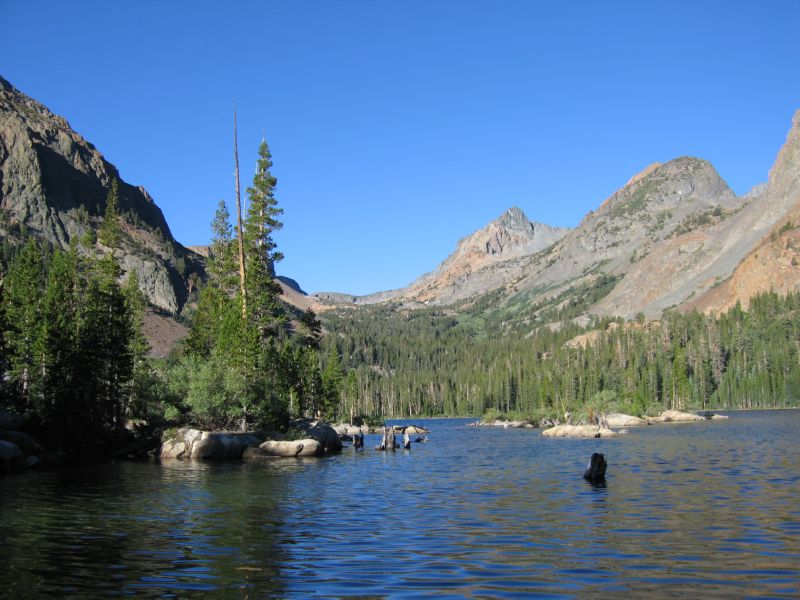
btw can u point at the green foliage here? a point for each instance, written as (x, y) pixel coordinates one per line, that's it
(637, 200)
(264, 308)
(240, 370)
(74, 343)
(110, 230)
(785, 228)
(439, 362)
(222, 260)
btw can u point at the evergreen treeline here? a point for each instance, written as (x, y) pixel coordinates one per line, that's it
(74, 353)
(72, 344)
(441, 362)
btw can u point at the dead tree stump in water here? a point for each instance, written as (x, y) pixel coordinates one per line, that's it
(388, 442)
(596, 469)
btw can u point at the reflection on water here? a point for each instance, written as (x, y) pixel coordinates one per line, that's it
(701, 509)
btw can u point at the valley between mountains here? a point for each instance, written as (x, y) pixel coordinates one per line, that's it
(667, 295)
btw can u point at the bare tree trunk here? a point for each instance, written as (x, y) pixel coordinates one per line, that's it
(388, 441)
(239, 219)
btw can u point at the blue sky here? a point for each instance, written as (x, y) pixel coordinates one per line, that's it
(399, 127)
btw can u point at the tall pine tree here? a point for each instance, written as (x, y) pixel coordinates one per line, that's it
(264, 307)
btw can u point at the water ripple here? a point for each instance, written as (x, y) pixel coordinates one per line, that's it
(707, 509)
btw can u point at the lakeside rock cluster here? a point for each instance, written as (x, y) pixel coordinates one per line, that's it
(314, 438)
(614, 424)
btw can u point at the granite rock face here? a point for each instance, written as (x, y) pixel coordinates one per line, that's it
(54, 184)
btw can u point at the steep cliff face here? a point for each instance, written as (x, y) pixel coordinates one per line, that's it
(54, 184)
(773, 264)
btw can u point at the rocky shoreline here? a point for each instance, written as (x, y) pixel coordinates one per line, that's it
(613, 424)
(20, 451)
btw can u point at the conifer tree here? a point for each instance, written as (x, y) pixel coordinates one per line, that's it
(312, 329)
(57, 349)
(260, 249)
(222, 262)
(110, 230)
(23, 295)
(332, 383)
(104, 334)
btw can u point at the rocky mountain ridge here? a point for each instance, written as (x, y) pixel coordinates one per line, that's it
(467, 270)
(673, 234)
(54, 185)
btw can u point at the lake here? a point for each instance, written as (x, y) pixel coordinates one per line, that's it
(708, 509)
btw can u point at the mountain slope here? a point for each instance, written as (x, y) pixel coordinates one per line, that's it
(54, 184)
(469, 269)
(773, 264)
(640, 219)
(668, 237)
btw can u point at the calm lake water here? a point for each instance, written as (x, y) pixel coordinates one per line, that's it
(696, 510)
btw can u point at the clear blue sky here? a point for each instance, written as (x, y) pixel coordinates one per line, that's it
(398, 127)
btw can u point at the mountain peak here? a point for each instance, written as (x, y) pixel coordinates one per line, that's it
(513, 217)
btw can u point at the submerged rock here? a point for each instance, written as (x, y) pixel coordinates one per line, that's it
(579, 431)
(676, 416)
(713, 416)
(410, 429)
(11, 457)
(211, 445)
(622, 420)
(506, 424)
(294, 448)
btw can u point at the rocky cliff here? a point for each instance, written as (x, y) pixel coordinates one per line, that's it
(773, 264)
(54, 184)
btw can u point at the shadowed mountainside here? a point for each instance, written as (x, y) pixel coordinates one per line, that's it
(54, 185)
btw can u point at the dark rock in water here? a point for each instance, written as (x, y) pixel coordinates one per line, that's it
(23, 441)
(596, 469)
(11, 457)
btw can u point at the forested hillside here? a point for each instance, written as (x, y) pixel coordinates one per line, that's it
(440, 362)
